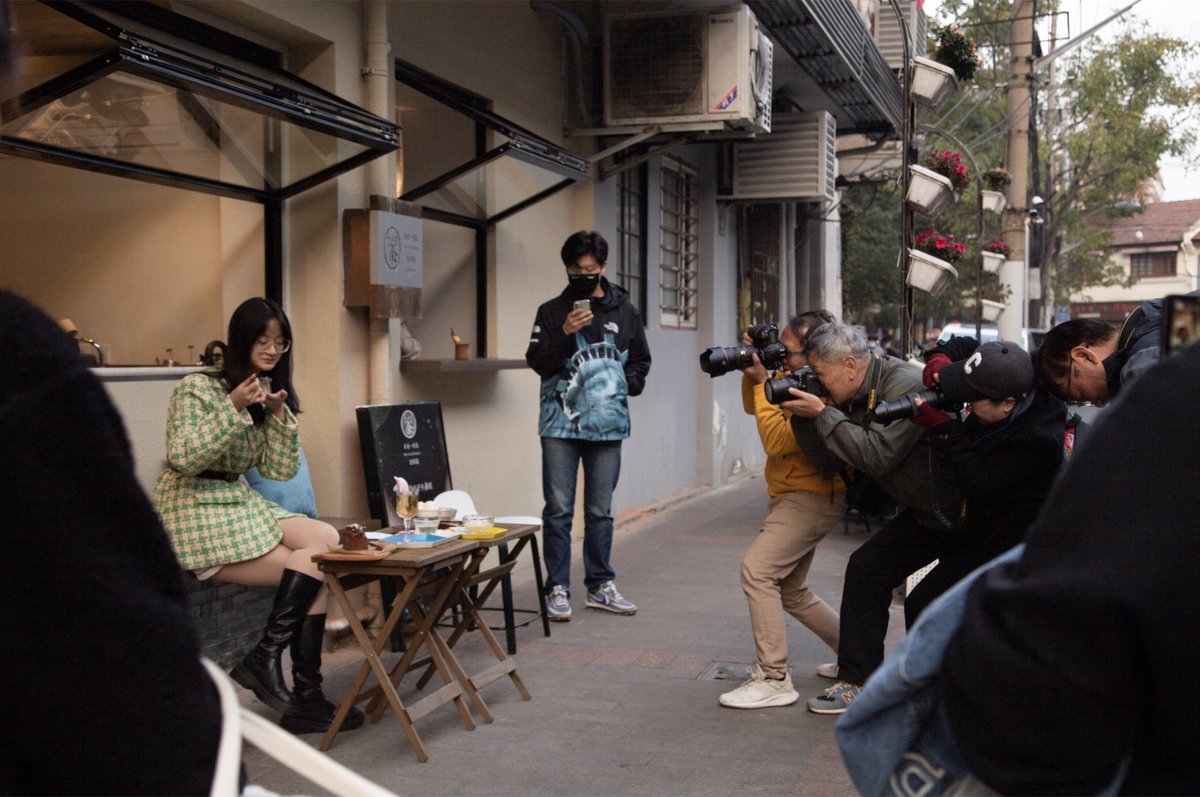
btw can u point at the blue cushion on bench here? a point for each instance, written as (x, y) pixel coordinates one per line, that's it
(294, 495)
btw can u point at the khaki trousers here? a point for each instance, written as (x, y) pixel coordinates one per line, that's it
(774, 571)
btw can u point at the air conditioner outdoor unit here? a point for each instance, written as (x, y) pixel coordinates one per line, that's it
(796, 163)
(890, 38)
(700, 67)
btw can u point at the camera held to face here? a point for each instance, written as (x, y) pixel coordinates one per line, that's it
(906, 406)
(804, 380)
(765, 343)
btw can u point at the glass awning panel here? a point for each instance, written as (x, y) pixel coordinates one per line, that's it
(519, 171)
(110, 93)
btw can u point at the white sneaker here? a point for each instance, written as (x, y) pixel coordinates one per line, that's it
(761, 692)
(828, 670)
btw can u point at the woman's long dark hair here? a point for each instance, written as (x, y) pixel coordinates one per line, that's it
(247, 324)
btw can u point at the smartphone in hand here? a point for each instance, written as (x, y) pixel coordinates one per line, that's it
(1181, 322)
(583, 304)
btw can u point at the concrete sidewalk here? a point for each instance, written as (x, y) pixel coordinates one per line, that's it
(624, 705)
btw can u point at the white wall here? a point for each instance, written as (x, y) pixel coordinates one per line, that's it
(136, 266)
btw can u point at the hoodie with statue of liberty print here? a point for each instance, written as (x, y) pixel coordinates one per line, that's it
(587, 377)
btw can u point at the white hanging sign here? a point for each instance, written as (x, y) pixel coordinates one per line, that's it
(395, 249)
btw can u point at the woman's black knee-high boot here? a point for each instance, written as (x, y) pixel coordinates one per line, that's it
(313, 712)
(260, 671)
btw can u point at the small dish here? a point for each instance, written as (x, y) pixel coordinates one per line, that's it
(425, 525)
(447, 513)
(478, 521)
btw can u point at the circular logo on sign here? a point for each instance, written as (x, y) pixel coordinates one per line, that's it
(408, 424)
(391, 248)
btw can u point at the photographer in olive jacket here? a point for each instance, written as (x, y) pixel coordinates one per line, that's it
(901, 459)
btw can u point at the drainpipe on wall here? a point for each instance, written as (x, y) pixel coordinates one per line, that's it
(381, 180)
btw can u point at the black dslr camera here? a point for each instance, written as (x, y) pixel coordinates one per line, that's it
(765, 343)
(906, 406)
(805, 379)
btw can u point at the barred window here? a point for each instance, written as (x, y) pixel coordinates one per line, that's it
(680, 251)
(1152, 264)
(631, 234)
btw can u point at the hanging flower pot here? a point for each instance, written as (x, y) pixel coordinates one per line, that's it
(932, 83)
(994, 201)
(992, 262)
(928, 273)
(928, 191)
(991, 309)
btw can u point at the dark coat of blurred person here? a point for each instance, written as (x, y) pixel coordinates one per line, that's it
(102, 688)
(1085, 652)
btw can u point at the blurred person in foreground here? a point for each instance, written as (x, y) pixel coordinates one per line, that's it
(104, 692)
(1080, 659)
(804, 506)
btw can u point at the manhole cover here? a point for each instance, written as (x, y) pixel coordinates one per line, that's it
(724, 671)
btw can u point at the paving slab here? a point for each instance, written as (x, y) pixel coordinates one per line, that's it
(623, 705)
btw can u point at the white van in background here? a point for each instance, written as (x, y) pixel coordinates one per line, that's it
(1031, 337)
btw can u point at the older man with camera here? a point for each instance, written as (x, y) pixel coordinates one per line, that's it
(897, 456)
(804, 505)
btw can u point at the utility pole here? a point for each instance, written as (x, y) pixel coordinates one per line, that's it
(1019, 76)
(1050, 264)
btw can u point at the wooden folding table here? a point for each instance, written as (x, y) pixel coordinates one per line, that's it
(413, 567)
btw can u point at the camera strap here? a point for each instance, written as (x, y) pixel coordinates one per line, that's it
(1128, 327)
(874, 377)
(863, 493)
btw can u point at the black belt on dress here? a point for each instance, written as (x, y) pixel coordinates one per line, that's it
(220, 475)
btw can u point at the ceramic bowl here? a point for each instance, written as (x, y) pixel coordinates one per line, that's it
(447, 513)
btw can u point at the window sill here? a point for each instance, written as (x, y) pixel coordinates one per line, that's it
(475, 365)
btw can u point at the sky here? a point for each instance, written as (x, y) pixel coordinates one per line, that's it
(1180, 18)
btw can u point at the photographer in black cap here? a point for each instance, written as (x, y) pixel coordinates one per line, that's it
(1003, 456)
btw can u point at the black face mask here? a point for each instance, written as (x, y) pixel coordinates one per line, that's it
(582, 285)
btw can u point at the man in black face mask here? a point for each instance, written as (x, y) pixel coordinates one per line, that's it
(589, 347)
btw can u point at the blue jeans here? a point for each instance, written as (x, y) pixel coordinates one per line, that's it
(601, 467)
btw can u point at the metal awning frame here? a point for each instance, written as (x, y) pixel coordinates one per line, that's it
(522, 145)
(290, 100)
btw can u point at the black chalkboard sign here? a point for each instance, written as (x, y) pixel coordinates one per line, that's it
(406, 440)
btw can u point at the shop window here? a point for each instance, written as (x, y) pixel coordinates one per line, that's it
(759, 257)
(679, 253)
(631, 234)
(1152, 264)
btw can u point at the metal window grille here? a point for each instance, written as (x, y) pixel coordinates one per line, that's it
(631, 233)
(680, 249)
(758, 272)
(1152, 264)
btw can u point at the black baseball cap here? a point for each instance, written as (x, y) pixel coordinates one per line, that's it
(997, 370)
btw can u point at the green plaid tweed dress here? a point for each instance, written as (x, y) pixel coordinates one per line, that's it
(214, 522)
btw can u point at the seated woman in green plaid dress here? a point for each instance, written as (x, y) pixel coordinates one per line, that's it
(219, 425)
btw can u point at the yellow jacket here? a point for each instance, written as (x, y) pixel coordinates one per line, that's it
(787, 469)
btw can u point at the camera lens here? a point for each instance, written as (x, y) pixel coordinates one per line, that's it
(776, 390)
(720, 360)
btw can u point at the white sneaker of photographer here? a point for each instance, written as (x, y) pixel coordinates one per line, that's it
(761, 692)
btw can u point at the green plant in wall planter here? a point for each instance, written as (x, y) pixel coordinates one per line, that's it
(955, 49)
(929, 261)
(995, 180)
(994, 254)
